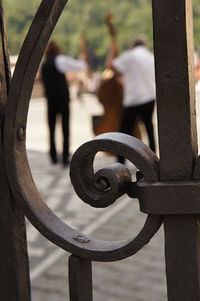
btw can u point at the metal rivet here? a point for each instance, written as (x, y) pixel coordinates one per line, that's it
(20, 134)
(81, 239)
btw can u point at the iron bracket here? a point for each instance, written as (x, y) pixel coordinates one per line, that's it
(179, 197)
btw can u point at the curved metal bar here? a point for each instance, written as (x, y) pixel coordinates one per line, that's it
(117, 178)
(17, 167)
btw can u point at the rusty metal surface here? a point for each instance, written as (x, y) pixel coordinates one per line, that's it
(80, 279)
(169, 187)
(174, 57)
(82, 174)
(5, 65)
(14, 264)
(196, 172)
(178, 197)
(67, 238)
(17, 165)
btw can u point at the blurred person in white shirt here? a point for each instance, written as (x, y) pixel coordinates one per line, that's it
(136, 65)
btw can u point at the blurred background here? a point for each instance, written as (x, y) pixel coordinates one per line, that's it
(82, 33)
(86, 19)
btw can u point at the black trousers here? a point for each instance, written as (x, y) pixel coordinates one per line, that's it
(129, 117)
(52, 114)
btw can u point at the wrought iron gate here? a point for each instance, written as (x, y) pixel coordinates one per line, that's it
(168, 188)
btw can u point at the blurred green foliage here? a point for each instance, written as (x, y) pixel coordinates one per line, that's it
(86, 17)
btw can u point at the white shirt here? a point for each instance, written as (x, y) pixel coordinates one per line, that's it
(66, 63)
(137, 67)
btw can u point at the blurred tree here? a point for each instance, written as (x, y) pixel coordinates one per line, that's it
(131, 18)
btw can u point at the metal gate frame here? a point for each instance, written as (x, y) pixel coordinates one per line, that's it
(168, 188)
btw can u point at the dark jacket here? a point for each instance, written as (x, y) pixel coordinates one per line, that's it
(55, 85)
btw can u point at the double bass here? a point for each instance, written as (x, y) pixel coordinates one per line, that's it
(110, 93)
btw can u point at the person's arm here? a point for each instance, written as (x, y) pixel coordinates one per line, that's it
(66, 63)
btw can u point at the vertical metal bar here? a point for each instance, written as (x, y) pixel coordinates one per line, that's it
(80, 279)
(14, 265)
(173, 32)
(174, 57)
(4, 65)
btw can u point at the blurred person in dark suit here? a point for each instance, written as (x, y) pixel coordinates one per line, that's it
(53, 72)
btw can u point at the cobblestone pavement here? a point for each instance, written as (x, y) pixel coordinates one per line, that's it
(138, 278)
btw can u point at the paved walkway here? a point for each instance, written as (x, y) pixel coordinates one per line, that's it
(138, 278)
